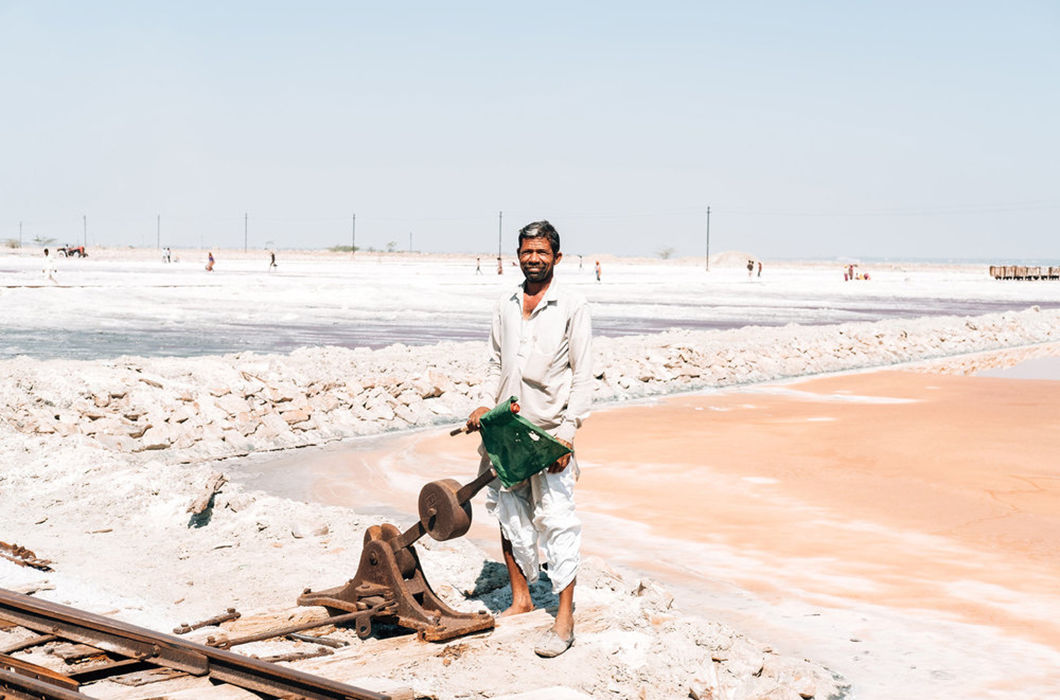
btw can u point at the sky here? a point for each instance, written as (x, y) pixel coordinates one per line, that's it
(811, 129)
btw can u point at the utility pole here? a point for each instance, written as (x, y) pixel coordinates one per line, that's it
(410, 241)
(84, 228)
(245, 216)
(500, 229)
(19, 234)
(708, 239)
(353, 235)
(158, 231)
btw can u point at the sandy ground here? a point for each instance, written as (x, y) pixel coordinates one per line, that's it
(900, 526)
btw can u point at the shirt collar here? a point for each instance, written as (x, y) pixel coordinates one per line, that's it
(549, 298)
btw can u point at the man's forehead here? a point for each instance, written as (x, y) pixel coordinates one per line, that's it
(535, 242)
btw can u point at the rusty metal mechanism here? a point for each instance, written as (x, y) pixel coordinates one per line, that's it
(390, 582)
(230, 614)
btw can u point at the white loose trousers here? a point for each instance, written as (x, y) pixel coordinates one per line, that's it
(539, 512)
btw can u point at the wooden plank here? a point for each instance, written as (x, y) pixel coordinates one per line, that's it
(72, 653)
(90, 673)
(153, 675)
(27, 643)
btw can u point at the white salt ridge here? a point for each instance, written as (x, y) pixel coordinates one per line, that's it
(211, 407)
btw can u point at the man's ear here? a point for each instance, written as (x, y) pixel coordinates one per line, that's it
(557, 258)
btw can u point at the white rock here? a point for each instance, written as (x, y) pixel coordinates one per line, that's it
(156, 438)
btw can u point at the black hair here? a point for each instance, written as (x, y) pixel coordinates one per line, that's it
(540, 229)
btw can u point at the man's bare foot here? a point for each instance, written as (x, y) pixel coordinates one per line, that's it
(517, 609)
(564, 630)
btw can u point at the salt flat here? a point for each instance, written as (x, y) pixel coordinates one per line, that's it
(127, 302)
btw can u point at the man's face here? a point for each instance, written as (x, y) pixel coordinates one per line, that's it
(537, 260)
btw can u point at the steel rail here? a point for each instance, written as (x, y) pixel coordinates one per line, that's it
(172, 652)
(15, 686)
(41, 673)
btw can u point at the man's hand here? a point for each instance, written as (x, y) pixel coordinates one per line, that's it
(474, 420)
(563, 461)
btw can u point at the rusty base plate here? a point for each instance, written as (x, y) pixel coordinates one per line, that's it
(394, 576)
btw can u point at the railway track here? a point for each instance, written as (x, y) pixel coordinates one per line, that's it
(118, 648)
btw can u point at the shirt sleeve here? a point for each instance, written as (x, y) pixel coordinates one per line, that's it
(581, 390)
(492, 382)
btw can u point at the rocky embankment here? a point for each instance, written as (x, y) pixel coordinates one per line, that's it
(211, 407)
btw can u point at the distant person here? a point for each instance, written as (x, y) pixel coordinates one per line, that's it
(580, 262)
(759, 268)
(599, 270)
(850, 272)
(750, 268)
(478, 266)
(500, 266)
(272, 260)
(209, 262)
(49, 268)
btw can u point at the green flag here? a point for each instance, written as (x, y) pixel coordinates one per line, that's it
(517, 448)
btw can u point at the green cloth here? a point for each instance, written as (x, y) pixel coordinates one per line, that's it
(517, 448)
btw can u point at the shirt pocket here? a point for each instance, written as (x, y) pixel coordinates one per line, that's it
(537, 368)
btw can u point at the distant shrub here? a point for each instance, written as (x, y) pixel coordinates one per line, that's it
(344, 249)
(12, 243)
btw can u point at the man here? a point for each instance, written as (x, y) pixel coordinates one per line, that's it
(540, 352)
(49, 268)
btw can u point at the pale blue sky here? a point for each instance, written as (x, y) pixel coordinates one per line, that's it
(813, 129)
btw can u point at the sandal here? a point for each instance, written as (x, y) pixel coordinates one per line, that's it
(550, 644)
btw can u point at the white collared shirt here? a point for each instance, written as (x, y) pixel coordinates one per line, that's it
(545, 360)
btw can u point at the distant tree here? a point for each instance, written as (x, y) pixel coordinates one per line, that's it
(42, 241)
(344, 249)
(12, 243)
(665, 253)
(391, 246)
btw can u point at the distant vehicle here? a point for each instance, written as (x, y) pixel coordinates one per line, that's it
(69, 251)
